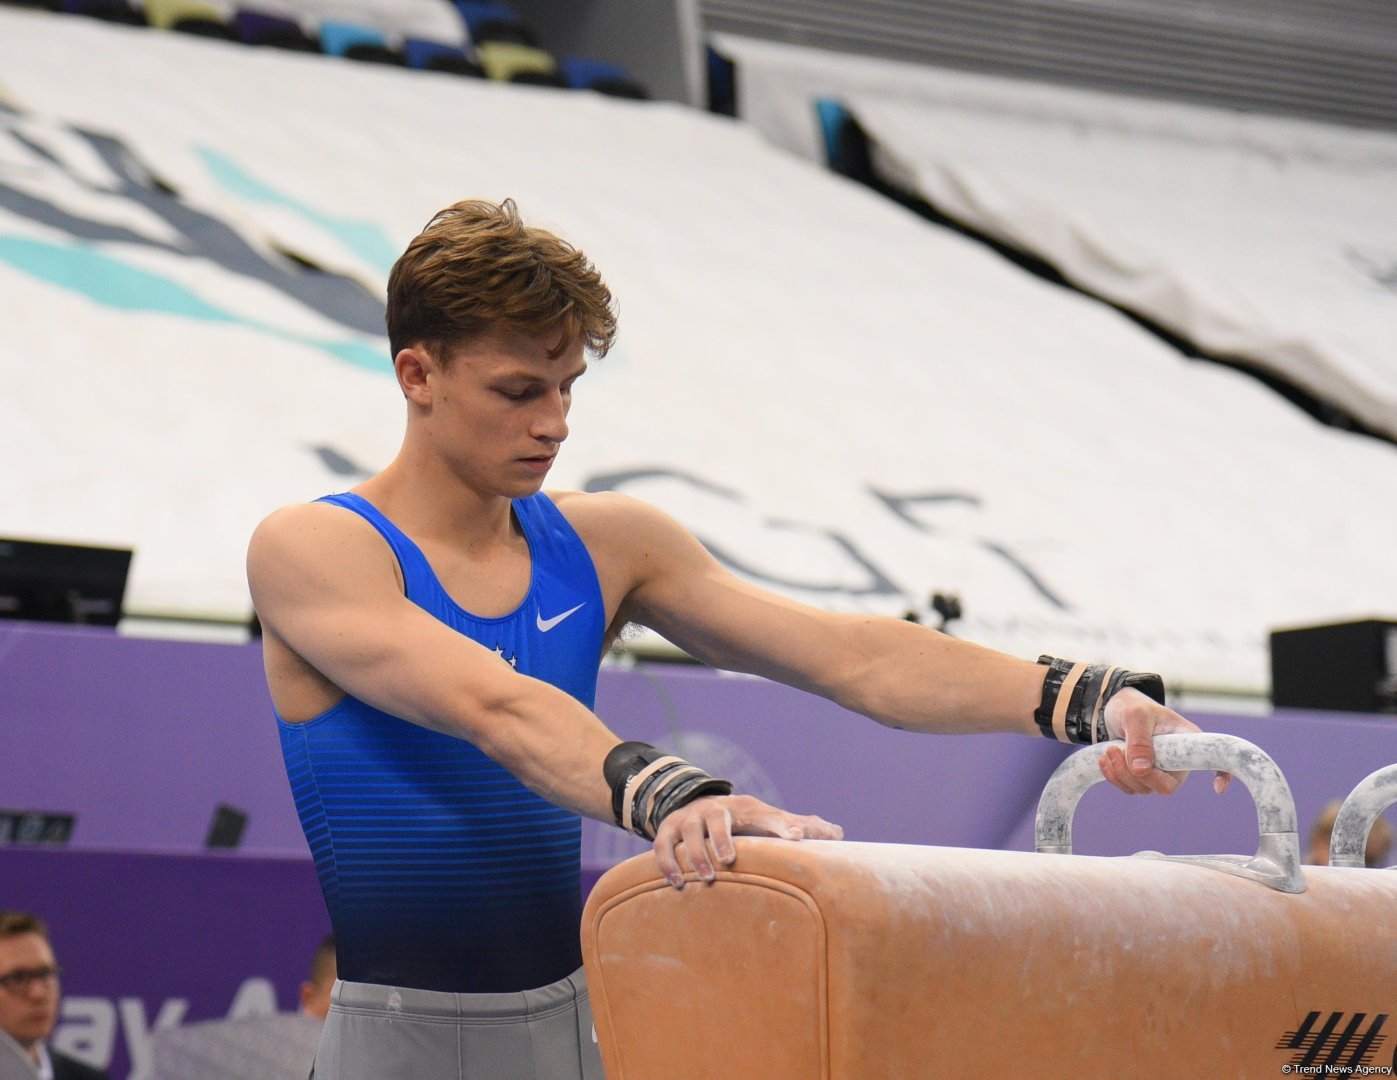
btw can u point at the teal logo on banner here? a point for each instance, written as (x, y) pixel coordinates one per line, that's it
(81, 250)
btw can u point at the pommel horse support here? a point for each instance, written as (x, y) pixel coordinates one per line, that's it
(854, 961)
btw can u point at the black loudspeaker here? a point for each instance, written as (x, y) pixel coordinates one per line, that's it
(226, 828)
(1351, 667)
(65, 583)
(34, 827)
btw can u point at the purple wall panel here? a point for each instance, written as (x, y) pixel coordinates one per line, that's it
(142, 739)
(815, 757)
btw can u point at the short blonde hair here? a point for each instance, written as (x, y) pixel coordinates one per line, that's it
(476, 267)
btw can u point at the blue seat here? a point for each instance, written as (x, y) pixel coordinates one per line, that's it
(438, 56)
(356, 42)
(604, 77)
(722, 84)
(495, 22)
(259, 28)
(117, 11)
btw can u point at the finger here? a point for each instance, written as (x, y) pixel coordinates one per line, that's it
(1221, 780)
(764, 820)
(1139, 741)
(1116, 770)
(752, 817)
(695, 834)
(796, 826)
(665, 842)
(1118, 773)
(720, 836)
(817, 828)
(1163, 782)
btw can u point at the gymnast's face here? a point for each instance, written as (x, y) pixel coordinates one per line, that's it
(496, 414)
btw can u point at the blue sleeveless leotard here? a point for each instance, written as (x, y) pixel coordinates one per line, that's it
(440, 870)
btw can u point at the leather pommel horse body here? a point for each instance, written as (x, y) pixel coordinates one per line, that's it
(852, 961)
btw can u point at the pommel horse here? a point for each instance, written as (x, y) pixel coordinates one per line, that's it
(856, 961)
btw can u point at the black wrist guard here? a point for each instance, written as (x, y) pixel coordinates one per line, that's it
(1073, 708)
(647, 785)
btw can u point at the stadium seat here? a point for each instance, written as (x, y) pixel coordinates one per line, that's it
(507, 61)
(437, 56)
(602, 76)
(188, 17)
(722, 84)
(495, 22)
(116, 11)
(356, 42)
(258, 28)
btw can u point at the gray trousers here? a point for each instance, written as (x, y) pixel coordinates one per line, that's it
(378, 1032)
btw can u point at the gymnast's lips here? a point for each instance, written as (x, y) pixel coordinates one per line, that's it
(540, 464)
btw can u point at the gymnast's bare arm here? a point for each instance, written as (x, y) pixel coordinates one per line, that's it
(335, 621)
(896, 672)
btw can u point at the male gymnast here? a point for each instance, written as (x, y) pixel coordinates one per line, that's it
(432, 640)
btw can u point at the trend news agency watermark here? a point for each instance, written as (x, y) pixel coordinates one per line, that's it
(1339, 1044)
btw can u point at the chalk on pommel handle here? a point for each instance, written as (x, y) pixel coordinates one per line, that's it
(1374, 794)
(1277, 860)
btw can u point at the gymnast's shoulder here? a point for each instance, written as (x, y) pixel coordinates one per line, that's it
(315, 539)
(611, 519)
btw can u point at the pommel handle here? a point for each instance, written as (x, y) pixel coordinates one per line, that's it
(1375, 793)
(1277, 860)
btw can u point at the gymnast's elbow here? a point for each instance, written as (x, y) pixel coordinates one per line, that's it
(494, 716)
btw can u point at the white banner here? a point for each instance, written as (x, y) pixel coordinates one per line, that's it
(1260, 239)
(844, 403)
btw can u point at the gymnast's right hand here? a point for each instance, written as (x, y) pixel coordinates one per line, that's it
(704, 829)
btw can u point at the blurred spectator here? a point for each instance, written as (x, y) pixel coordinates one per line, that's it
(29, 997)
(1374, 855)
(315, 991)
(277, 1047)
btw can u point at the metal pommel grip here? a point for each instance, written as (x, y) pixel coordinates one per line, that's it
(1348, 842)
(1277, 860)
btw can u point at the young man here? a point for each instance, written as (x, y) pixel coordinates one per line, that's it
(29, 997)
(432, 641)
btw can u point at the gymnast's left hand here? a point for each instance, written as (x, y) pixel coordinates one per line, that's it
(1137, 719)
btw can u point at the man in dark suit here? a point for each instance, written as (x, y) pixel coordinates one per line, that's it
(29, 997)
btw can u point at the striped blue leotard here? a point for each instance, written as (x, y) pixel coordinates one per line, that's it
(440, 870)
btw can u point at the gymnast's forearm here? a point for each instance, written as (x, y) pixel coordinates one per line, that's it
(917, 679)
(552, 743)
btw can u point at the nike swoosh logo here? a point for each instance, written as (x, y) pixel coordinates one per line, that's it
(546, 625)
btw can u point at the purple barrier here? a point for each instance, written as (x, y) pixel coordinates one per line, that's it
(142, 739)
(811, 756)
(152, 941)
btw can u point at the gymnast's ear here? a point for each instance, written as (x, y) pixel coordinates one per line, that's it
(411, 366)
